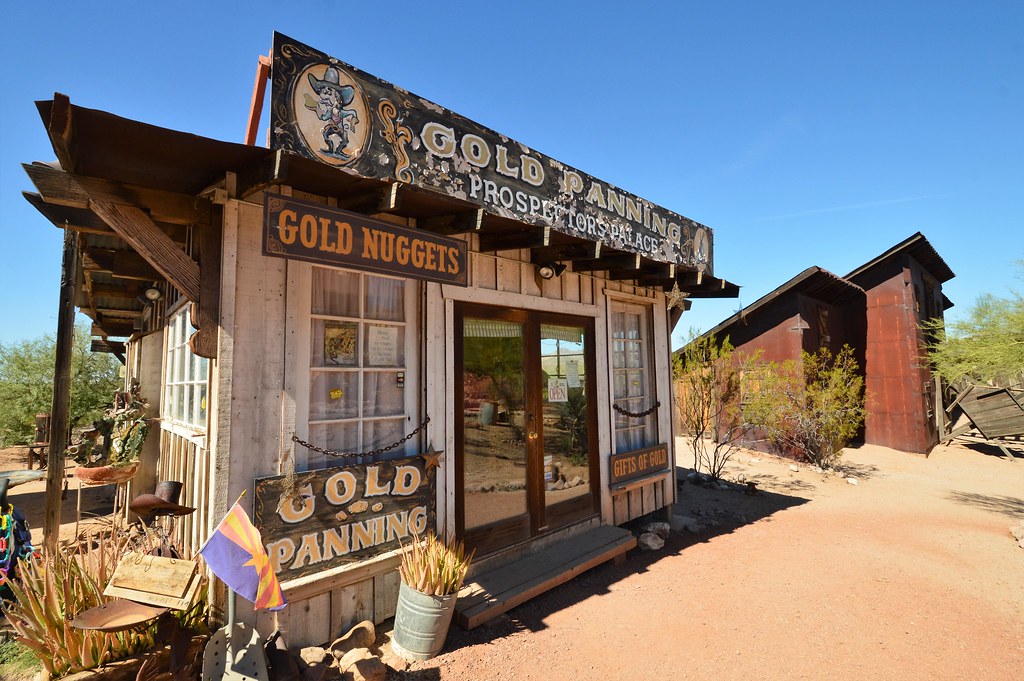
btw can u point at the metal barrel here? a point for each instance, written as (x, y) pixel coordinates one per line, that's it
(421, 623)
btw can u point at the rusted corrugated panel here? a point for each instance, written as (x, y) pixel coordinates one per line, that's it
(896, 416)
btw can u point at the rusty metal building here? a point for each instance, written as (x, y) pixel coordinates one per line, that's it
(877, 309)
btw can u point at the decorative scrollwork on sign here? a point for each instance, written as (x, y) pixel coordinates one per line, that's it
(397, 135)
(274, 246)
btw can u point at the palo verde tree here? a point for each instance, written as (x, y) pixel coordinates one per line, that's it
(810, 410)
(709, 373)
(985, 347)
(26, 384)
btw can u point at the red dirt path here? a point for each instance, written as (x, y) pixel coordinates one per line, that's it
(910, 574)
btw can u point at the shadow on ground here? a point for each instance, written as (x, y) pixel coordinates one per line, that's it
(990, 448)
(1009, 506)
(718, 511)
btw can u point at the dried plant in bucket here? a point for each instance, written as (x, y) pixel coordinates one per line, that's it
(434, 566)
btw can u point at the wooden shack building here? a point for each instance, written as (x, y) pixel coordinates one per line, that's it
(391, 320)
(877, 310)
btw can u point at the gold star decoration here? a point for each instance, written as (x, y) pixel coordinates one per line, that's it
(432, 458)
(675, 297)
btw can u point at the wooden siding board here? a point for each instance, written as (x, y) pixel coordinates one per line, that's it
(350, 605)
(385, 595)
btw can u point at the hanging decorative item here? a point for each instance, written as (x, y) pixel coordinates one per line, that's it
(637, 415)
(109, 451)
(357, 455)
(675, 297)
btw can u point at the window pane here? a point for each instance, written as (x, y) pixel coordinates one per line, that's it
(385, 299)
(636, 384)
(385, 346)
(334, 344)
(340, 437)
(634, 354)
(335, 293)
(333, 395)
(382, 396)
(377, 434)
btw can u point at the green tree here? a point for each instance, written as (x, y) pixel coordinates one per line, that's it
(985, 347)
(709, 374)
(26, 384)
(810, 410)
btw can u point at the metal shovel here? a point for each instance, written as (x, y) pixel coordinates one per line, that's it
(234, 652)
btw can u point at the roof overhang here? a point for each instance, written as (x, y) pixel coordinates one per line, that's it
(134, 192)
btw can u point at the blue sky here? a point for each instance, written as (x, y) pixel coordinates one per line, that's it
(803, 133)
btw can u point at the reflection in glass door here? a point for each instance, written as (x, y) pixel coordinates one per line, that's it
(565, 409)
(525, 438)
(494, 454)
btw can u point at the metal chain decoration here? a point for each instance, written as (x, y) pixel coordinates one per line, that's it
(356, 455)
(639, 414)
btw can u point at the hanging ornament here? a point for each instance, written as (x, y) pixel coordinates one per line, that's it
(675, 297)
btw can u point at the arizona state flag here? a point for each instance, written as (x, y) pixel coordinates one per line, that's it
(235, 554)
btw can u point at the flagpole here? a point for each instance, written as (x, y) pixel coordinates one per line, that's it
(222, 520)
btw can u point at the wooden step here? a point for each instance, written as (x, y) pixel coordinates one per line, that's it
(499, 590)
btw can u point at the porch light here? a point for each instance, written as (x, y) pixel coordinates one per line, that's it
(153, 294)
(549, 270)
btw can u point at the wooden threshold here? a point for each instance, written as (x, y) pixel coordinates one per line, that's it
(501, 589)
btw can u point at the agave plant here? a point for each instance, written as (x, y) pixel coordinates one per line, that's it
(433, 566)
(51, 591)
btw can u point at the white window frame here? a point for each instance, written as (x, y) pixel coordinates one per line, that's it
(304, 369)
(646, 399)
(186, 375)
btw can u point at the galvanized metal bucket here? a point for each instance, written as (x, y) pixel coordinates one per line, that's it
(421, 623)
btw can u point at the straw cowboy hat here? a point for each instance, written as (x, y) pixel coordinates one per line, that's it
(332, 79)
(163, 501)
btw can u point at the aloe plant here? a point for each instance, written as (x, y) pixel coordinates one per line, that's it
(433, 566)
(50, 592)
(53, 589)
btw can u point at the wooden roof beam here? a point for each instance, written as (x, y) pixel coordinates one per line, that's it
(617, 261)
(85, 221)
(510, 241)
(271, 171)
(142, 234)
(384, 200)
(587, 250)
(60, 132)
(455, 223)
(120, 264)
(116, 348)
(66, 189)
(106, 327)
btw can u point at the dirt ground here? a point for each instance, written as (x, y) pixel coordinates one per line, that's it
(909, 574)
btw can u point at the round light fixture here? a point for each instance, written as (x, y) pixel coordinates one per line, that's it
(546, 271)
(153, 294)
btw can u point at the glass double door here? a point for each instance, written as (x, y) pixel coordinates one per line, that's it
(525, 424)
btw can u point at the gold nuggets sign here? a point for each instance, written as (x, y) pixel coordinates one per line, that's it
(310, 231)
(325, 518)
(639, 463)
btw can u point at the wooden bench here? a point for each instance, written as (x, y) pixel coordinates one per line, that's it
(499, 590)
(35, 452)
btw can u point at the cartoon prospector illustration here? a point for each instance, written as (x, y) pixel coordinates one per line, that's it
(331, 107)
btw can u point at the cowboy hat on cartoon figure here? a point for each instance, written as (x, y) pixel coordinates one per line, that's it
(332, 108)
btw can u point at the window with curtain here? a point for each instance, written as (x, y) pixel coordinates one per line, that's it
(357, 398)
(633, 387)
(187, 375)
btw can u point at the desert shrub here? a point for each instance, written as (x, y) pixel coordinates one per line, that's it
(986, 346)
(709, 374)
(810, 410)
